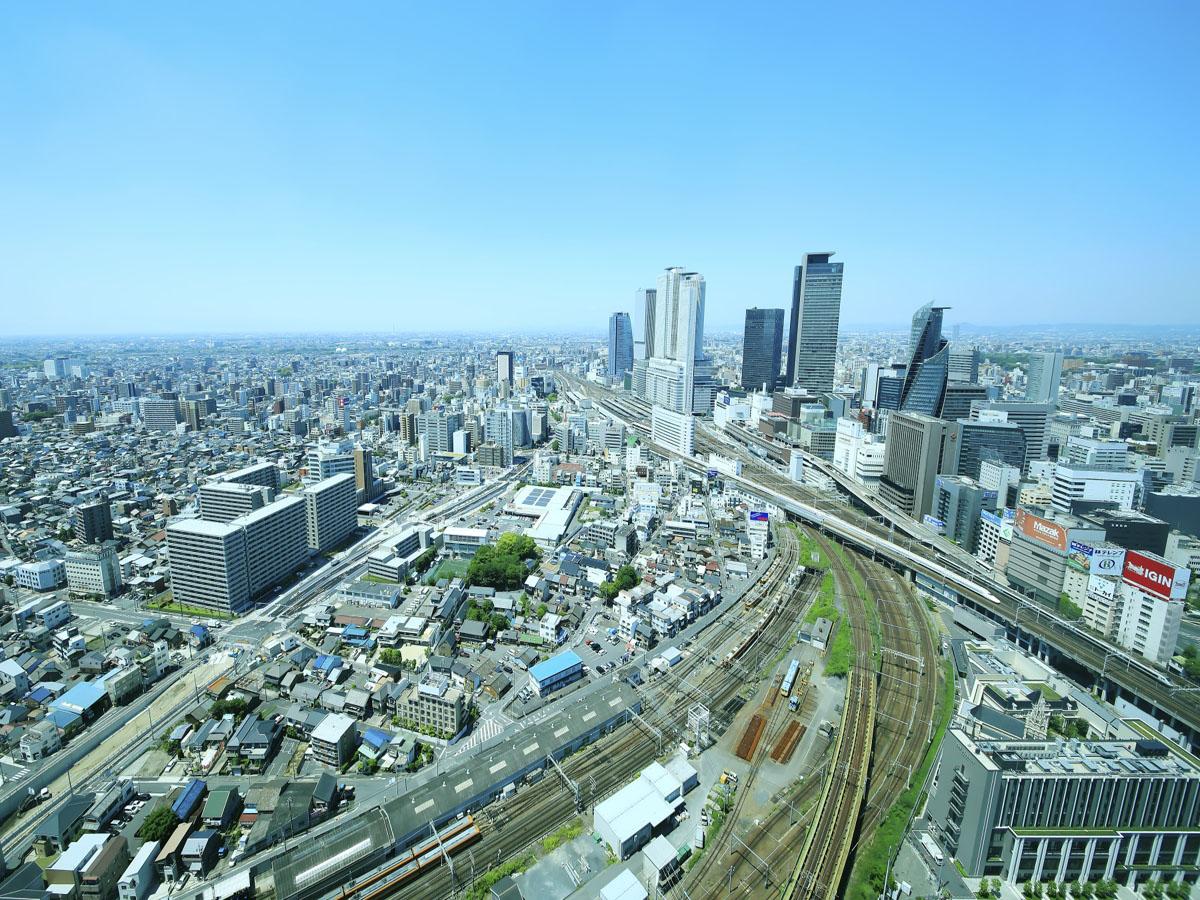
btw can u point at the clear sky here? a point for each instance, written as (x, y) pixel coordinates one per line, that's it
(258, 166)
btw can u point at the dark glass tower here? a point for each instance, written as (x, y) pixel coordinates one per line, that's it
(762, 349)
(813, 330)
(929, 367)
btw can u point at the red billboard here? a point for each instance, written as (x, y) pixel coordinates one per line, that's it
(1042, 530)
(1156, 576)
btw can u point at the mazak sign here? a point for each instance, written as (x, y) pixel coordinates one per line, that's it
(1156, 576)
(1042, 530)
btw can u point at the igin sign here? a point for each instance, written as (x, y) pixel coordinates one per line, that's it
(1156, 576)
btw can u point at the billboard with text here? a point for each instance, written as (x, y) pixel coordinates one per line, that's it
(1156, 576)
(1042, 530)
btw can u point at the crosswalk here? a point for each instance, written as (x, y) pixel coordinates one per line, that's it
(482, 733)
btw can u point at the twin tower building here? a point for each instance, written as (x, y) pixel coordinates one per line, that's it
(661, 350)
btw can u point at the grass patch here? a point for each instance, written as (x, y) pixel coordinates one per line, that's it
(452, 568)
(866, 878)
(166, 603)
(482, 888)
(568, 832)
(823, 607)
(840, 653)
(810, 553)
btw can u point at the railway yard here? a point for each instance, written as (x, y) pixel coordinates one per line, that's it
(824, 798)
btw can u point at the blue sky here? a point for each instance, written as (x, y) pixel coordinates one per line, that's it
(259, 166)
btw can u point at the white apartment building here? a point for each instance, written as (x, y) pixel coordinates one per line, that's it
(45, 575)
(330, 511)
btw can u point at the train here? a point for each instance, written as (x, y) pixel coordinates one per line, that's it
(417, 859)
(790, 678)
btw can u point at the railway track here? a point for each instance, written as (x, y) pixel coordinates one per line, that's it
(602, 767)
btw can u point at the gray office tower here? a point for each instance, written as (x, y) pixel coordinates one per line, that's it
(813, 331)
(620, 347)
(1045, 372)
(762, 349)
(929, 363)
(918, 449)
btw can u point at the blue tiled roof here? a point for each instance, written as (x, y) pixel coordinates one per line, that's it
(555, 665)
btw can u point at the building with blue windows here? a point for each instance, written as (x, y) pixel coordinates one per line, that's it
(555, 673)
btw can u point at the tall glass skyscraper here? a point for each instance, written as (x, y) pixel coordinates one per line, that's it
(678, 374)
(620, 347)
(813, 331)
(929, 367)
(762, 349)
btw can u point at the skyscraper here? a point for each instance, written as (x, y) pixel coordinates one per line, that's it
(679, 375)
(643, 337)
(964, 364)
(762, 348)
(918, 449)
(620, 347)
(504, 366)
(813, 331)
(1045, 372)
(929, 364)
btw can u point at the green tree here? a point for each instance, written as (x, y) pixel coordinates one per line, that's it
(554, 445)
(1067, 608)
(391, 656)
(159, 824)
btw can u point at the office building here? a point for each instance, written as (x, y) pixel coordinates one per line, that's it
(980, 442)
(674, 430)
(1169, 432)
(93, 571)
(1043, 377)
(1131, 529)
(1085, 451)
(918, 449)
(1040, 550)
(93, 522)
(160, 414)
(505, 366)
(620, 347)
(7, 428)
(433, 703)
(1066, 811)
(928, 369)
(1151, 599)
(265, 474)
(55, 368)
(959, 397)
(762, 349)
(439, 428)
(193, 413)
(964, 365)
(643, 337)
(330, 512)
(327, 459)
(1033, 418)
(813, 327)
(1082, 488)
(679, 376)
(364, 474)
(957, 505)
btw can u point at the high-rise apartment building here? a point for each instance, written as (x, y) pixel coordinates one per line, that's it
(918, 449)
(1043, 377)
(224, 501)
(160, 414)
(762, 349)
(7, 428)
(813, 330)
(439, 428)
(327, 459)
(93, 522)
(620, 347)
(330, 509)
(957, 504)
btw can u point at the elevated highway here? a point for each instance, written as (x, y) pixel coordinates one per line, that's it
(1116, 672)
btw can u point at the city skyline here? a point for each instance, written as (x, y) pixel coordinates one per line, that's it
(172, 187)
